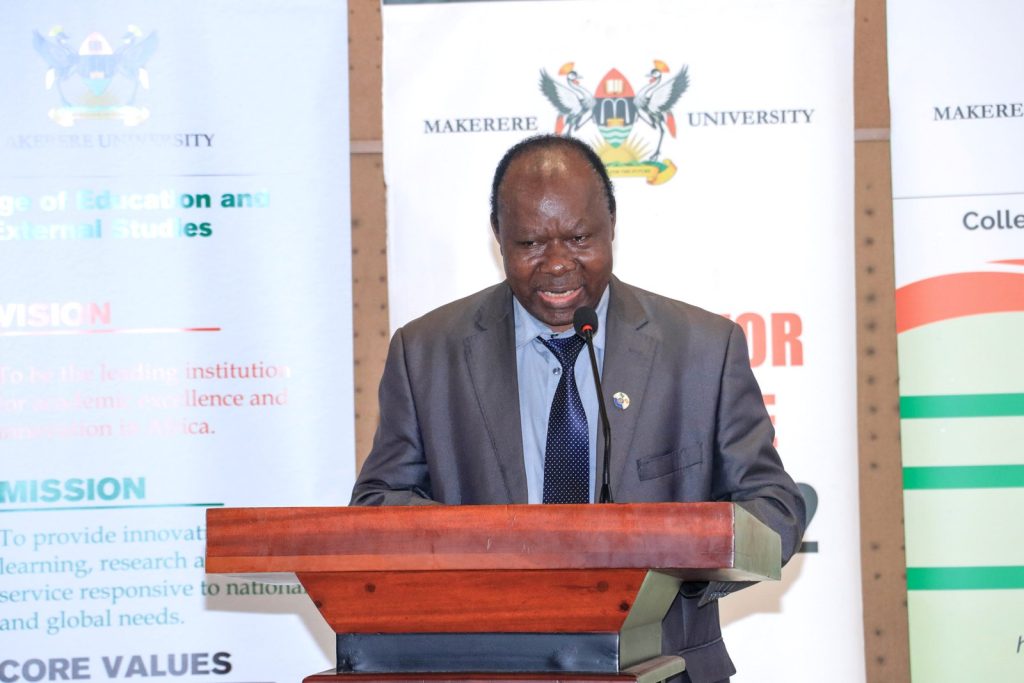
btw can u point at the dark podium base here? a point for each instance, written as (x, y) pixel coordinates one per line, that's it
(387, 653)
(651, 671)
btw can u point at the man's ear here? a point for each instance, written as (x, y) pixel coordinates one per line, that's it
(613, 226)
(494, 227)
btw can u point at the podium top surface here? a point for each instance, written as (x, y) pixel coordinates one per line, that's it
(664, 536)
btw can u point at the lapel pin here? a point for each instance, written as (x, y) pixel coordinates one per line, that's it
(621, 400)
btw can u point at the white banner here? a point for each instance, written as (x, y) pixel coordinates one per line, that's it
(175, 327)
(745, 209)
(958, 200)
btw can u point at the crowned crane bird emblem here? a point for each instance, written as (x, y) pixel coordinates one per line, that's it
(61, 58)
(615, 110)
(655, 100)
(132, 56)
(574, 103)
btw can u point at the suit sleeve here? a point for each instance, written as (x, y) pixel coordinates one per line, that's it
(747, 468)
(395, 472)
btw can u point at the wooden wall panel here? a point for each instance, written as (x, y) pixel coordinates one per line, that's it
(883, 558)
(881, 479)
(369, 235)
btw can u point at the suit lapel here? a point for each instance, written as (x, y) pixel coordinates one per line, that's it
(491, 357)
(628, 361)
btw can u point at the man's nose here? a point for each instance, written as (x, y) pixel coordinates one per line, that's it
(557, 258)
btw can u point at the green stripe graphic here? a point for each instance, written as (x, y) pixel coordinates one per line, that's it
(962, 405)
(964, 578)
(964, 477)
(113, 507)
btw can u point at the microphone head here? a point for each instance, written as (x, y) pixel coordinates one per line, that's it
(584, 321)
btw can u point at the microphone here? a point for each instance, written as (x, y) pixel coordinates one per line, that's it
(584, 321)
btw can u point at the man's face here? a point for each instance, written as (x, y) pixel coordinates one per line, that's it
(555, 233)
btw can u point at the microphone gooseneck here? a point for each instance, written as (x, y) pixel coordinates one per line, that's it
(584, 321)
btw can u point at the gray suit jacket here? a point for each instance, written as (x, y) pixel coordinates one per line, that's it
(696, 428)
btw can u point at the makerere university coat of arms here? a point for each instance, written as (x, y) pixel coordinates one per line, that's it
(108, 79)
(615, 108)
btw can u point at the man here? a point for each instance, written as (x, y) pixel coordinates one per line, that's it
(479, 405)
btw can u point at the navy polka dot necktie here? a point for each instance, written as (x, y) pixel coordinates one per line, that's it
(567, 453)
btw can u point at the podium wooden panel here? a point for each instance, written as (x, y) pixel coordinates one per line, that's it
(574, 590)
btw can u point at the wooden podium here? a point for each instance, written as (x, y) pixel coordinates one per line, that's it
(496, 592)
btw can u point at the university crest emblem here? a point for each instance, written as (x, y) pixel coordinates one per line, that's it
(96, 81)
(614, 109)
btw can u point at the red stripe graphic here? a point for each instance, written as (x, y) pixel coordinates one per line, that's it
(956, 295)
(110, 330)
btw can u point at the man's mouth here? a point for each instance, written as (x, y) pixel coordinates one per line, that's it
(556, 296)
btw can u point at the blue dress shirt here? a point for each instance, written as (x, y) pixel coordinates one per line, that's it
(538, 372)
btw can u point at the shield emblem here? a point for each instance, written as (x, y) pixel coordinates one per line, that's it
(97, 63)
(614, 108)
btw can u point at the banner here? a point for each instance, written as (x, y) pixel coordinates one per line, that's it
(175, 327)
(736, 197)
(958, 198)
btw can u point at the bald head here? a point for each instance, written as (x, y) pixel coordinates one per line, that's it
(554, 227)
(546, 153)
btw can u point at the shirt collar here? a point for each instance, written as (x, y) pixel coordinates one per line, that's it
(528, 328)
